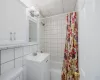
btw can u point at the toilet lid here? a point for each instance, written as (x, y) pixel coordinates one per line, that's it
(11, 75)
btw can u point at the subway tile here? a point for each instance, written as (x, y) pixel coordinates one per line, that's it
(60, 54)
(53, 51)
(59, 41)
(53, 58)
(55, 35)
(48, 50)
(54, 45)
(63, 36)
(59, 59)
(53, 40)
(59, 50)
(7, 55)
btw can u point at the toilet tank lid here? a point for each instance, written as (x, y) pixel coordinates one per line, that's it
(11, 75)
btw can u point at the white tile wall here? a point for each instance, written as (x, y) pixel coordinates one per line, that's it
(55, 34)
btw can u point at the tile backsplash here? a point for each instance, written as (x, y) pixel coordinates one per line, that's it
(54, 36)
(14, 58)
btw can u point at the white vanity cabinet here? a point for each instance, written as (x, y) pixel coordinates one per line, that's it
(13, 22)
(46, 69)
(38, 66)
(13, 56)
(20, 29)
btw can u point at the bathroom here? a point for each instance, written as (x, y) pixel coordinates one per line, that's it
(34, 39)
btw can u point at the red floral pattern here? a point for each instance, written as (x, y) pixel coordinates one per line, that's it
(70, 63)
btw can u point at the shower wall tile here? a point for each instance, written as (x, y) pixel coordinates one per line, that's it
(54, 37)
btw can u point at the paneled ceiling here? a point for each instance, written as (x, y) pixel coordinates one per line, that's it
(52, 7)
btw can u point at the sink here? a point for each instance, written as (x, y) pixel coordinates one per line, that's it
(38, 58)
(38, 67)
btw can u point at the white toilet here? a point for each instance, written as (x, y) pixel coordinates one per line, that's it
(14, 74)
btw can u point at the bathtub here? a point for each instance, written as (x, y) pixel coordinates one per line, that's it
(55, 71)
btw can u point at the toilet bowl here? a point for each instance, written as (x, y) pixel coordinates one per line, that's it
(14, 74)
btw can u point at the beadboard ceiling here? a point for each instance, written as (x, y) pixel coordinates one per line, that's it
(52, 7)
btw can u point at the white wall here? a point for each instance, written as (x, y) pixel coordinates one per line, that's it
(41, 35)
(76, 6)
(55, 33)
(13, 19)
(89, 40)
(28, 3)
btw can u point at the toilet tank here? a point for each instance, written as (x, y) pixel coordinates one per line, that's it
(14, 74)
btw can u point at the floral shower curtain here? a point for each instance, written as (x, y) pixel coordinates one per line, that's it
(70, 65)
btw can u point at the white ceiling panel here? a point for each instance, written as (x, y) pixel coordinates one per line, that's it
(69, 5)
(49, 7)
(53, 7)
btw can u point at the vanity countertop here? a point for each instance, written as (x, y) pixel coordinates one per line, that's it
(16, 45)
(40, 57)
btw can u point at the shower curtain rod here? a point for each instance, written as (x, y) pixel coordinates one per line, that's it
(58, 15)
